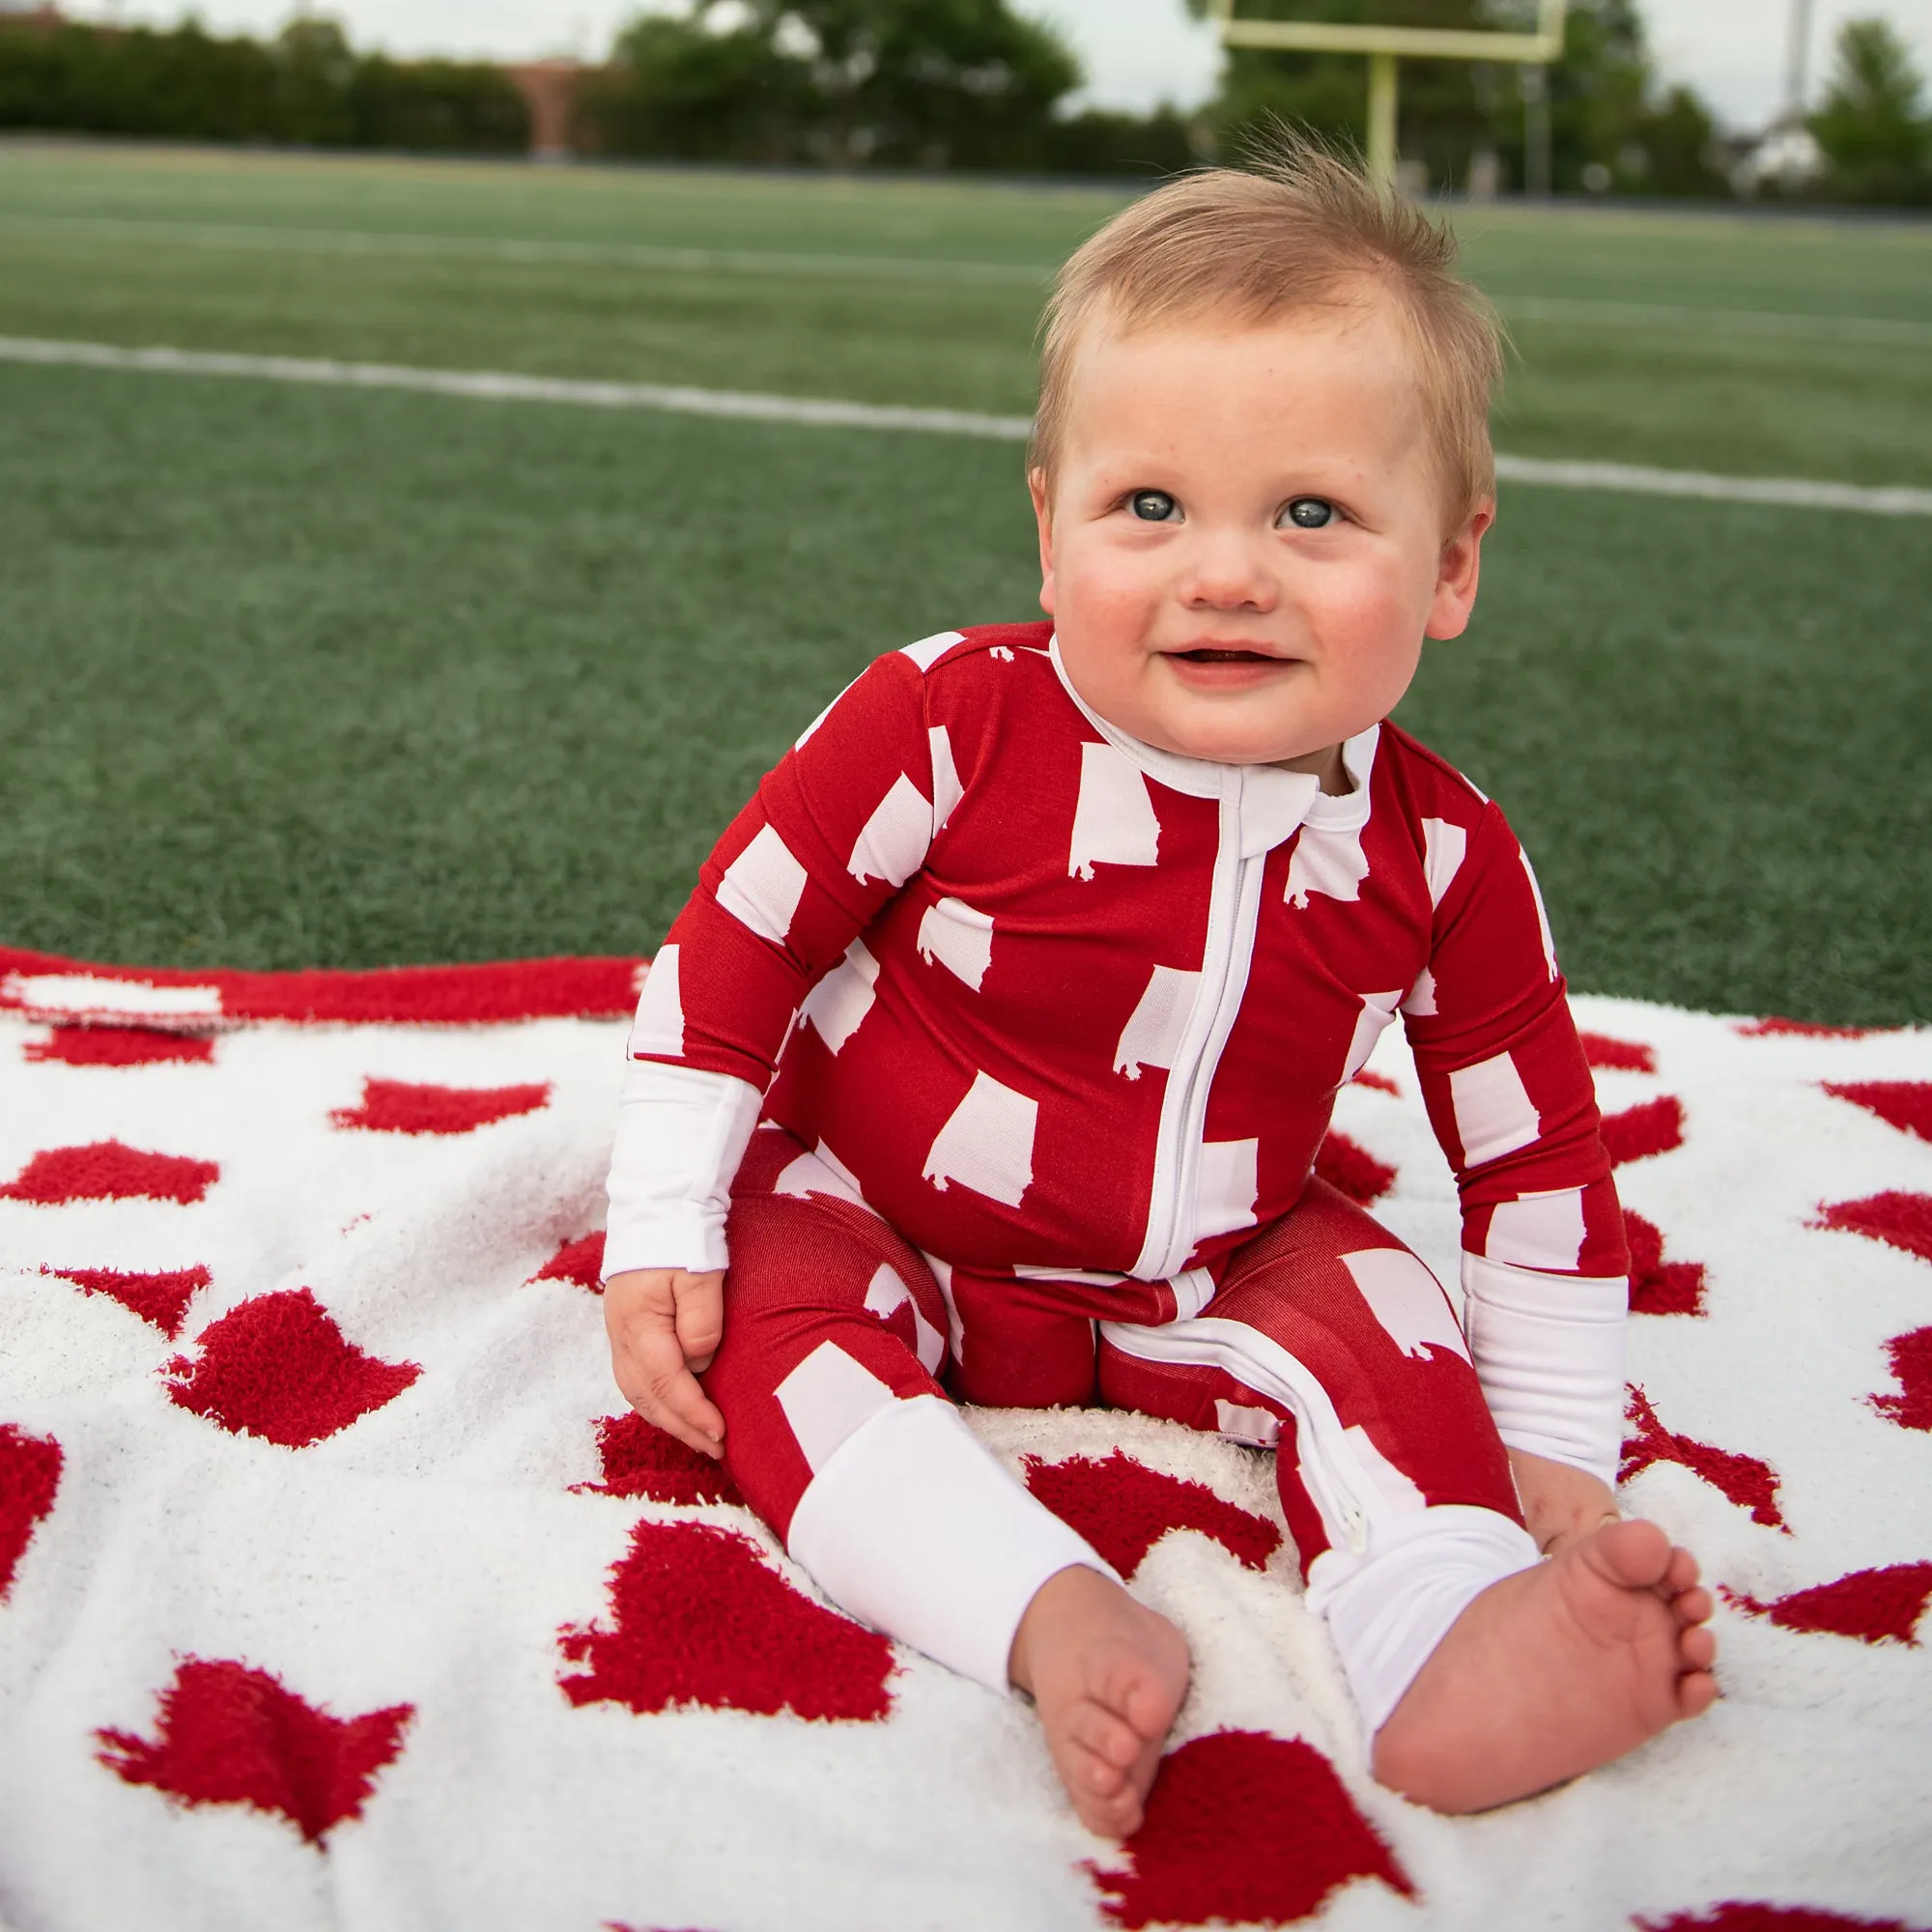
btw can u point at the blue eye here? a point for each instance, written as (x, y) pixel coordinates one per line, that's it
(1154, 506)
(1312, 513)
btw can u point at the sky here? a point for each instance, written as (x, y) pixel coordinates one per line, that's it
(1136, 52)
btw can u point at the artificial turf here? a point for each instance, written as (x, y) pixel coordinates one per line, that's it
(323, 676)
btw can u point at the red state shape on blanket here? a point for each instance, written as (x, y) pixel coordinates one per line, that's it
(1625, 1055)
(110, 1171)
(1123, 1508)
(1744, 1916)
(1353, 1170)
(1744, 1480)
(30, 1467)
(642, 1460)
(1381, 1082)
(279, 1367)
(1246, 1829)
(1654, 1126)
(1912, 1364)
(699, 1618)
(1873, 1605)
(406, 1107)
(159, 1298)
(1904, 1104)
(121, 1047)
(581, 1261)
(232, 1735)
(1659, 1287)
(1896, 1218)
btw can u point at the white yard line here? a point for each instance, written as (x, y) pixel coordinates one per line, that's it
(252, 238)
(503, 386)
(1678, 319)
(257, 237)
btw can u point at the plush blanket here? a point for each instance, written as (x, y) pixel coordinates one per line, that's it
(338, 1588)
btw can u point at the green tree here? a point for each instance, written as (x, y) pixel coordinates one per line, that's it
(915, 83)
(1876, 144)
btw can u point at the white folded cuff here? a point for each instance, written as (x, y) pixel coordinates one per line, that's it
(913, 1526)
(1388, 1612)
(1549, 1350)
(681, 1133)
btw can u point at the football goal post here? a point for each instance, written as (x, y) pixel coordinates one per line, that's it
(1384, 46)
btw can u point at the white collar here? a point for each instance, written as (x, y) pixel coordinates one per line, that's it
(1207, 777)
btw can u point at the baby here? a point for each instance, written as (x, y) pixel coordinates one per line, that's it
(994, 1048)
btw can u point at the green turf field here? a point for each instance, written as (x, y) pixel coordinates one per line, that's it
(310, 675)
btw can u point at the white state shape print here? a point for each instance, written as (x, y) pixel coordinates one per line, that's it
(887, 1294)
(1259, 1427)
(821, 1172)
(947, 790)
(1224, 1197)
(928, 651)
(1542, 916)
(1378, 1010)
(659, 1025)
(828, 1397)
(1443, 846)
(1152, 1035)
(1408, 1300)
(1495, 1115)
(1538, 1231)
(1395, 1489)
(987, 1145)
(1114, 822)
(1329, 863)
(762, 886)
(958, 938)
(843, 998)
(1421, 1001)
(893, 844)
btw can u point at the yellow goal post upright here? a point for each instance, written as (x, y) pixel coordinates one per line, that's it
(1384, 46)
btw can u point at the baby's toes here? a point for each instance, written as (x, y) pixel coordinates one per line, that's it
(1115, 1813)
(1696, 1647)
(1696, 1693)
(1681, 1573)
(1106, 1736)
(1694, 1606)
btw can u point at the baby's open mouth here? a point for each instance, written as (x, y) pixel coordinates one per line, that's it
(1208, 655)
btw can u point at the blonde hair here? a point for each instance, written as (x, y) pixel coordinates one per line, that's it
(1299, 228)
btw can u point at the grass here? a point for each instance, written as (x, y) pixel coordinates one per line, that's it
(317, 676)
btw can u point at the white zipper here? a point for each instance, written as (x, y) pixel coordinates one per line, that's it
(1234, 906)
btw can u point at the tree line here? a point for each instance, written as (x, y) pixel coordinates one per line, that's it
(972, 84)
(306, 87)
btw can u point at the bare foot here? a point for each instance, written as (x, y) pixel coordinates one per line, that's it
(1106, 1676)
(1553, 1671)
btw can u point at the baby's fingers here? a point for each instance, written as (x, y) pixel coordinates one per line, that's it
(676, 1404)
(701, 1316)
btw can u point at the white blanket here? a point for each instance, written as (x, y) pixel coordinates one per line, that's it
(335, 1589)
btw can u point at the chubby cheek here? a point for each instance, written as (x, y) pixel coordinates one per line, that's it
(1372, 634)
(1104, 610)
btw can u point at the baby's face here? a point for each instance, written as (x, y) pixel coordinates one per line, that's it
(1242, 544)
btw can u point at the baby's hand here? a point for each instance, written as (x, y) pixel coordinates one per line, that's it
(1561, 1504)
(665, 1326)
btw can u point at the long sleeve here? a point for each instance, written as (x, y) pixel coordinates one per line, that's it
(832, 832)
(1510, 1095)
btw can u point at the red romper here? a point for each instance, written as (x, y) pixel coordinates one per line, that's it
(1043, 1028)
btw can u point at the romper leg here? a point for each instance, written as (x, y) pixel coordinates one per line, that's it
(1330, 1335)
(839, 1433)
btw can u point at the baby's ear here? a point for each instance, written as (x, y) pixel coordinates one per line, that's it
(1043, 515)
(1456, 575)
